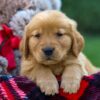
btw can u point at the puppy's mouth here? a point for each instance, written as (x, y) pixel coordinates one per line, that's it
(48, 58)
(49, 61)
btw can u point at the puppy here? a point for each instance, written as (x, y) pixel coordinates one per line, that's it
(52, 46)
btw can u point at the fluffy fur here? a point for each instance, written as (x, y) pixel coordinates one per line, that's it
(9, 7)
(54, 30)
(22, 17)
(47, 4)
(3, 65)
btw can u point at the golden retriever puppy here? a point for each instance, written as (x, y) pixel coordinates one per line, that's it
(52, 46)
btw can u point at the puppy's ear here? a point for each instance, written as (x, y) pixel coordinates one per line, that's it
(24, 48)
(77, 39)
(77, 42)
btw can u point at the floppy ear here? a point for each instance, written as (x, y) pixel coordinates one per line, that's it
(77, 42)
(24, 48)
(77, 39)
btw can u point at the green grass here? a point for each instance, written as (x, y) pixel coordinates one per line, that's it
(92, 49)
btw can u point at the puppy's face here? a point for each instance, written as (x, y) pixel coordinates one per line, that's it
(50, 37)
(49, 46)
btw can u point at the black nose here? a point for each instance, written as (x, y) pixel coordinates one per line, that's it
(48, 51)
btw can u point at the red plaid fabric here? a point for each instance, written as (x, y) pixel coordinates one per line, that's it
(21, 88)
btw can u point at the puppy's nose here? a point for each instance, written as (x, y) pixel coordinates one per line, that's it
(48, 51)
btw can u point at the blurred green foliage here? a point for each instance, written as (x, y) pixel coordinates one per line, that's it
(92, 49)
(87, 15)
(85, 12)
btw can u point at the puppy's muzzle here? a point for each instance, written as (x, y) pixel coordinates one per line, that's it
(48, 51)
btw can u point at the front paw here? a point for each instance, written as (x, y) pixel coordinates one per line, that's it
(49, 87)
(70, 84)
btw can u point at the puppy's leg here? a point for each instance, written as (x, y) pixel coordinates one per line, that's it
(71, 78)
(46, 81)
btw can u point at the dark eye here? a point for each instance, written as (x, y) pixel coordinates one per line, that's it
(38, 35)
(59, 34)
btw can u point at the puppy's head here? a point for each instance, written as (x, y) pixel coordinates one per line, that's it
(50, 37)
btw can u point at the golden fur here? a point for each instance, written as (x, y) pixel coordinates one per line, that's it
(54, 29)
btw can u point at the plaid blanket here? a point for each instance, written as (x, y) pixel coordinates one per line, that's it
(21, 88)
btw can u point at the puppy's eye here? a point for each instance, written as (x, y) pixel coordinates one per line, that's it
(59, 34)
(38, 35)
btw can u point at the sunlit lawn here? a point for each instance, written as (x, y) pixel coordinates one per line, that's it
(92, 49)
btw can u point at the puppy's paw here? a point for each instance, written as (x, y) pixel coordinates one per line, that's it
(49, 87)
(70, 84)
